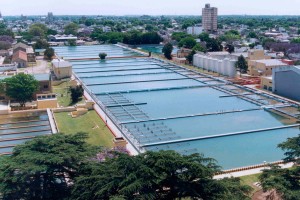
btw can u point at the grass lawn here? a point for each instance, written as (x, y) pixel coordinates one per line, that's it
(63, 94)
(249, 180)
(90, 123)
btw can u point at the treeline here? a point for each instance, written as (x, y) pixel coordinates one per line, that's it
(65, 167)
(132, 38)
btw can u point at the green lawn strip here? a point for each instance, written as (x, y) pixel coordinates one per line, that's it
(64, 95)
(250, 180)
(91, 123)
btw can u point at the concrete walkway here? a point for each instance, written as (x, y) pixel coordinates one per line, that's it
(250, 171)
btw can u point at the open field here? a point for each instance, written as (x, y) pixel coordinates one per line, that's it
(91, 123)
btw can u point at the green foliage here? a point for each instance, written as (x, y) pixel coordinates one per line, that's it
(102, 56)
(136, 38)
(155, 175)
(5, 31)
(72, 43)
(213, 45)
(199, 47)
(41, 44)
(230, 36)
(49, 53)
(251, 46)
(242, 64)
(286, 182)
(190, 57)
(266, 41)
(292, 149)
(252, 35)
(21, 87)
(51, 32)
(204, 37)
(38, 30)
(76, 93)
(188, 42)
(71, 29)
(167, 50)
(296, 40)
(44, 168)
(229, 48)
(179, 36)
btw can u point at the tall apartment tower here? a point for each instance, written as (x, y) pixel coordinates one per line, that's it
(210, 18)
(50, 17)
(0, 14)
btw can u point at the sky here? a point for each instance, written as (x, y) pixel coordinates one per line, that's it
(149, 7)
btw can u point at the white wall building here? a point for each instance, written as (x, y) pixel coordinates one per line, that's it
(224, 66)
(194, 30)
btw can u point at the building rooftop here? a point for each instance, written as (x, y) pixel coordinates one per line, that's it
(272, 62)
(59, 63)
(20, 44)
(19, 55)
(42, 77)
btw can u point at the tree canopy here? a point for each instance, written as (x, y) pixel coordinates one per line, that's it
(242, 64)
(38, 30)
(286, 182)
(49, 53)
(65, 167)
(167, 50)
(188, 42)
(21, 87)
(156, 175)
(44, 168)
(71, 28)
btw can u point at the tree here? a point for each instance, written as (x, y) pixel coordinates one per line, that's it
(252, 35)
(285, 182)
(6, 38)
(214, 45)
(199, 47)
(167, 50)
(38, 30)
(72, 43)
(5, 45)
(44, 168)
(179, 36)
(190, 57)
(296, 40)
(188, 42)
(71, 29)
(49, 53)
(155, 175)
(76, 93)
(241, 64)
(229, 48)
(204, 37)
(102, 56)
(21, 87)
(41, 44)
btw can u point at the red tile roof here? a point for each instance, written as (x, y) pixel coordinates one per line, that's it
(19, 55)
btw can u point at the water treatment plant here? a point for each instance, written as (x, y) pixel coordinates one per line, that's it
(159, 105)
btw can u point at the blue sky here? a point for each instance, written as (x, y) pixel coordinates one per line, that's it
(151, 7)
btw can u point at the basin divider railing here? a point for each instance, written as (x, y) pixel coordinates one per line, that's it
(193, 115)
(142, 81)
(219, 135)
(28, 121)
(135, 74)
(126, 134)
(119, 70)
(29, 126)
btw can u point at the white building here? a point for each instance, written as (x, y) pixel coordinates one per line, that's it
(224, 66)
(194, 30)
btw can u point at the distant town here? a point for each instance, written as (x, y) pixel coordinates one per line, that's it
(128, 107)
